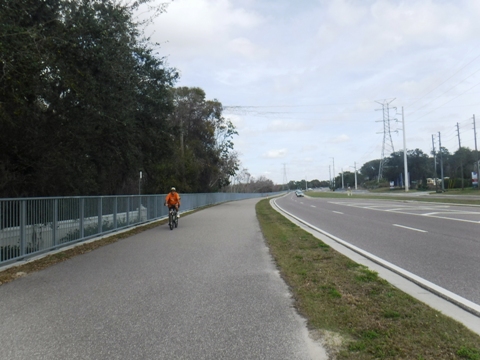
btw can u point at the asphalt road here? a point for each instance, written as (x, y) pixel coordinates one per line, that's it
(206, 290)
(438, 242)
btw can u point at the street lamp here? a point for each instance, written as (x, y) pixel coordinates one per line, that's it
(405, 163)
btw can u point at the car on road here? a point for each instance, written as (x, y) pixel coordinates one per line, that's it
(299, 193)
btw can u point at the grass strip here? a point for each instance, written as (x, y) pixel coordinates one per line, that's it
(357, 314)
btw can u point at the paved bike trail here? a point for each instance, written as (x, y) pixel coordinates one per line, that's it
(206, 290)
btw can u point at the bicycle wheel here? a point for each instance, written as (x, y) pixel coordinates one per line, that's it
(170, 220)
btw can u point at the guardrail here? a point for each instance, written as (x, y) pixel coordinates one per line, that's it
(31, 226)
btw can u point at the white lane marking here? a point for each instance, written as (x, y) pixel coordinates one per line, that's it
(410, 228)
(313, 206)
(337, 212)
(408, 211)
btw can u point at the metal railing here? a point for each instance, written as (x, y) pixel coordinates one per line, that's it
(31, 226)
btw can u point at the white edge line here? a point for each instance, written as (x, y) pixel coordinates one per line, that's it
(444, 293)
(410, 228)
(337, 212)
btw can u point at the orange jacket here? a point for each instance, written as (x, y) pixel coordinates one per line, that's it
(172, 198)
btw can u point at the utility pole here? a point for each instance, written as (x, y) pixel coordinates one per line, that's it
(441, 160)
(475, 133)
(330, 175)
(355, 175)
(435, 163)
(333, 173)
(460, 153)
(285, 181)
(405, 164)
(343, 186)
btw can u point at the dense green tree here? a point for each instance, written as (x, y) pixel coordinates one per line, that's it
(370, 169)
(262, 185)
(419, 165)
(315, 183)
(349, 179)
(206, 159)
(83, 102)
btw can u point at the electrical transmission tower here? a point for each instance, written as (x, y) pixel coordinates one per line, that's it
(387, 147)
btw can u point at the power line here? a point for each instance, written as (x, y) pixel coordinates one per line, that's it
(463, 67)
(447, 102)
(448, 90)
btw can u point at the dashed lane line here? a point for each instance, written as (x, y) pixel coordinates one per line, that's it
(407, 210)
(410, 228)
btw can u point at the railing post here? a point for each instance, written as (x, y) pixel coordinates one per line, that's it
(115, 210)
(23, 218)
(55, 222)
(82, 216)
(128, 210)
(99, 215)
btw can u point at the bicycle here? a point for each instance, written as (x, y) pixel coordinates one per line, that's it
(172, 218)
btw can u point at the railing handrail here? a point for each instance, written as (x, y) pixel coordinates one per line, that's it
(29, 226)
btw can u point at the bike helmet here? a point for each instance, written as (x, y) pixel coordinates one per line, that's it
(172, 189)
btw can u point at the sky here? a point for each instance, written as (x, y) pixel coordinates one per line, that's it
(306, 82)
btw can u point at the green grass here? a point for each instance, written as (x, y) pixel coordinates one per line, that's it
(348, 301)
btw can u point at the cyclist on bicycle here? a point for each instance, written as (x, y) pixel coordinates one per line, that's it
(172, 200)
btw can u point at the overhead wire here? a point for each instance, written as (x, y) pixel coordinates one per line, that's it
(447, 102)
(445, 80)
(453, 87)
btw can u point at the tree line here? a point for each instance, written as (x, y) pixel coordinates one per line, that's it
(86, 104)
(457, 168)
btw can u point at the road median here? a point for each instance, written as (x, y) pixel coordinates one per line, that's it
(345, 300)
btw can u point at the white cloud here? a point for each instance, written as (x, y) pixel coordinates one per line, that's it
(201, 27)
(309, 148)
(274, 154)
(384, 30)
(237, 120)
(246, 48)
(340, 139)
(287, 126)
